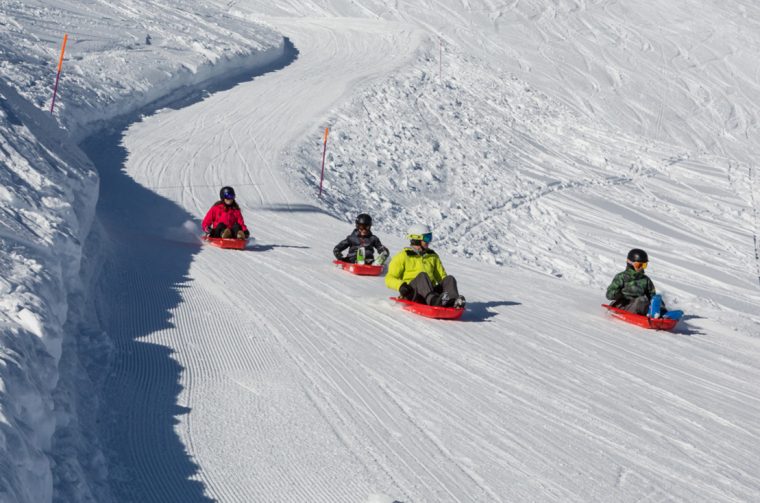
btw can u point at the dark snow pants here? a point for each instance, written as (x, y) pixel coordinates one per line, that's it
(216, 232)
(639, 305)
(426, 293)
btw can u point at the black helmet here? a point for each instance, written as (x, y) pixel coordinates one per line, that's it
(638, 255)
(364, 219)
(226, 193)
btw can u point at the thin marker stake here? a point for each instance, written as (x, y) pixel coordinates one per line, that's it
(58, 74)
(324, 151)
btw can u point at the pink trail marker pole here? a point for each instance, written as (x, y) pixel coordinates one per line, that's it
(324, 151)
(58, 75)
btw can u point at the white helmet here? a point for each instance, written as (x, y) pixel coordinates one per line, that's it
(419, 232)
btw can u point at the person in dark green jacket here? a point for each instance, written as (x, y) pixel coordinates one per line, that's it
(418, 274)
(632, 290)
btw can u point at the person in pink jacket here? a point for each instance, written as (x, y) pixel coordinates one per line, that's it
(224, 219)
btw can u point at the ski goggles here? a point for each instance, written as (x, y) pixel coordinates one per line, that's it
(363, 227)
(427, 237)
(228, 195)
(637, 265)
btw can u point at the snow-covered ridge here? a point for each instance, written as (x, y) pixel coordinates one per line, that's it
(47, 190)
(119, 59)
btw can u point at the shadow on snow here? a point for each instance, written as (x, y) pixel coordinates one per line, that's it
(481, 311)
(141, 282)
(266, 248)
(684, 329)
(294, 208)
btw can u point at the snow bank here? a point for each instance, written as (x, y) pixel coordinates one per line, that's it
(119, 59)
(48, 196)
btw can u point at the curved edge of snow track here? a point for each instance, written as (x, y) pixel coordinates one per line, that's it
(190, 362)
(86, 434)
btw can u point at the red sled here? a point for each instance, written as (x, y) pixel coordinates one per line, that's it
(641, 320)
(438, 312)
(359, 269)
(226, 243)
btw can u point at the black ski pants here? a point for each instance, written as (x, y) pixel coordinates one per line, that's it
(216, 232)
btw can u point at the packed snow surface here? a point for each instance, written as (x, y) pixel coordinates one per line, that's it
(541, 140)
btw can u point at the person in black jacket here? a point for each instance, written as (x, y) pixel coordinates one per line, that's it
(362, 240)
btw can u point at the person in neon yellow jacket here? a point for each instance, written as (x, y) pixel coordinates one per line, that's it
(418, 274)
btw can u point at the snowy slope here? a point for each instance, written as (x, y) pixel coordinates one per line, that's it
(269, 375)
(507, 175)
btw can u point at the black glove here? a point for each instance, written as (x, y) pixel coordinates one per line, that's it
(247, 233)
(405, 290)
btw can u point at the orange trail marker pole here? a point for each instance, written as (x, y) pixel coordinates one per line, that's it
(324, 151)
(58, 75)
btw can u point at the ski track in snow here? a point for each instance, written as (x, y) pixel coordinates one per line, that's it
(268, 375)
(541, 139)
(754, 198)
